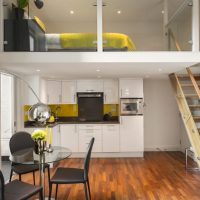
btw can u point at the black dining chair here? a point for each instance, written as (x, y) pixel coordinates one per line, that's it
(17, 190)
(73, 175)
(20, 141)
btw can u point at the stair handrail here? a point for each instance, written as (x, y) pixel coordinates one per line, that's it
(171, 34)
(194, 82)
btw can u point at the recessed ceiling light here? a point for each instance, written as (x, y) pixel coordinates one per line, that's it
(119, 12)
(98, 70)
(71, 12)
(37, 70)
(163, 12)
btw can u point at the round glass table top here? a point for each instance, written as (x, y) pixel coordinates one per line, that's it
(29, 157)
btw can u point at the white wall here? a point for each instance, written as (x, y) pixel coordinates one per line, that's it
(162, 127)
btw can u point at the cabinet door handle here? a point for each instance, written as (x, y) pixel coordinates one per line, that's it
(47, 98)
(75, 128)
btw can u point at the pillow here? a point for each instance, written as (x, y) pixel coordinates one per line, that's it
(40, 23)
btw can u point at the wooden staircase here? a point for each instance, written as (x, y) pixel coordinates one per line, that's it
(187, 92)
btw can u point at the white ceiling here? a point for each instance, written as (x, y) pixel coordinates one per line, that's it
(107, 70)
(131, 10)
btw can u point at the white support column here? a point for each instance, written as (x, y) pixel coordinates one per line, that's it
(99, 25)
(1, 25)
(195, 25)
(165, 22)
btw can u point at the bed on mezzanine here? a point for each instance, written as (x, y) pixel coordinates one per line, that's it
(85, 41)
(88, 42)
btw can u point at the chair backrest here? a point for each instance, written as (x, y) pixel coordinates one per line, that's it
(87, 159)
(1, 186)
(20, 141)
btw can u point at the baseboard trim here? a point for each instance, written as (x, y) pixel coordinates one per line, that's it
(110, 155)
(164, 148)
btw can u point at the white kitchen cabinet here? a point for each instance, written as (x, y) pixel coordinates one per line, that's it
(69, 92)
(131, 88)
(38, 85)
(110, 138)
(131, 134)
(56, 136)
(53, 92)
(111, 92)
(5, 150)
(69, 136)
(89, 86)
(86, 134)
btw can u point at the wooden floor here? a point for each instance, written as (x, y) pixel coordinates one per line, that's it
(157, 176)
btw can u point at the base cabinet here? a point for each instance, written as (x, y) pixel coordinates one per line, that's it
(131, 134)
(69, 137)
(110, 138)
(86, 133)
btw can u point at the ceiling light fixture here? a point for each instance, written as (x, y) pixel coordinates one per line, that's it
(71, 12)
(119, 12)
(98, 70)
(163, 12)
(37, 70)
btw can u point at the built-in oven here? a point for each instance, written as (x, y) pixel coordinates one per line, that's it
(131, 106)
(90, 106)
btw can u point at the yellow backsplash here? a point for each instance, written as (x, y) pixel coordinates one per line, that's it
(71, 110)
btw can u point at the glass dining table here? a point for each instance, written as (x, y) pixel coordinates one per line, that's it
(29, 157)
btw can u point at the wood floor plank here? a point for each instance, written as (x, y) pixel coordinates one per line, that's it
(157, 176)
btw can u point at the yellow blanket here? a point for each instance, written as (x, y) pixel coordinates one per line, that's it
(89, 40)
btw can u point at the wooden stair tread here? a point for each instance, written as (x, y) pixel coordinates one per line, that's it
(194, 106)
(191, 96)
(188, 85)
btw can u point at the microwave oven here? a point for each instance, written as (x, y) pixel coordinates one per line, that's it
(133, 106)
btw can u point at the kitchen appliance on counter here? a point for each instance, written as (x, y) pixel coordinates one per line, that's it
(131, 106)
(90, 106)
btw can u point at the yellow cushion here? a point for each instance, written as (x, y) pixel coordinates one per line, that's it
(40, 23)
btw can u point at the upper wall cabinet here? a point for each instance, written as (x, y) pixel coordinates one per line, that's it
(89, 86)
(69, 92)
(111, 92)
(131, 88)
(53, 92)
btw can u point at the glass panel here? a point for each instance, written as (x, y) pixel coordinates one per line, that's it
(180, 28)
(6, 112)
(61, 25)
(132, 25)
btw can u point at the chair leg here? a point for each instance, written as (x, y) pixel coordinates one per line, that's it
(86, 193)
(41, 194)
(56, 191)
(88, 184)
(33, 177)
(50, 190)
(48, 174)
(20, 177)
(11, 174)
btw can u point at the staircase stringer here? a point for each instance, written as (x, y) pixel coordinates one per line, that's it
(187, 117)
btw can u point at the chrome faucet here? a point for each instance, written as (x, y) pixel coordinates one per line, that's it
(58, 109)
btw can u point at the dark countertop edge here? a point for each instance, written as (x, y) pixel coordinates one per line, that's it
(52, 125)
